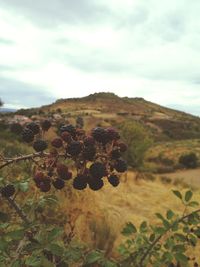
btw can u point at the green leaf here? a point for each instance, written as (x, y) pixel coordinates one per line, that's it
(33, 261)
(159, 230)
(143, 227)
(170, 214)
(193, 204)
(181, 257)
(129, 229)
(56, 249)
(188, 195)
(177, 193)
(16, 263)
(24, 186)
(16, 235)
(55, 233)
(93, 257)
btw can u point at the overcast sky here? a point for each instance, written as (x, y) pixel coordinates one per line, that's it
(52, 49)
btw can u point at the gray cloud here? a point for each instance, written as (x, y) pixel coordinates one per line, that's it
(22, 94)
(50, 13)
(4, 41)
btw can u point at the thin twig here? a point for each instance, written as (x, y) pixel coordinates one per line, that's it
(18, 210)
(160, 236)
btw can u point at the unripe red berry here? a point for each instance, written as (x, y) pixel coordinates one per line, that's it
(57, 142)
(66, 137)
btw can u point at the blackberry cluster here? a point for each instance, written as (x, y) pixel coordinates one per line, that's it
(95, 156)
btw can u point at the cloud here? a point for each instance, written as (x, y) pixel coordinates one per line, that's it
(18, 94)
(72, 48)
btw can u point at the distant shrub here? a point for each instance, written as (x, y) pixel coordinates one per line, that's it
(189, 160)
(165, 180)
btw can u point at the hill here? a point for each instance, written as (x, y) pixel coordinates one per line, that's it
(110, 109)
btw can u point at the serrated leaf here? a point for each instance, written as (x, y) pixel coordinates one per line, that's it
(33, 261)
(16, 263)
(188, 195)
(16, 235)
(177, 194)
(93, 257)
(56, 249)
(56, 232)
(129, 229)
(181, 257)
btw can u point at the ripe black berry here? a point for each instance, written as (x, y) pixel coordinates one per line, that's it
(39, 145)
(80, 182)
(27, 135)
(16, 128)
(99, 134)
(46, 124)
(115, 154)
(74, 148)
(58, 183)
(112, 134)
(89, 141)
(68, 128)
(34, 127)
(113, 180)
(120, 165)
(97, 170)
(8, 190)
(89, 152)
(57, 142)
(45, 186)
(95, 184)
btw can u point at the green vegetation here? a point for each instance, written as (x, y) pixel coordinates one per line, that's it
(138, 141)
(189, 160)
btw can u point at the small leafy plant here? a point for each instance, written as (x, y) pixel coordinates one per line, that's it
(171, 243)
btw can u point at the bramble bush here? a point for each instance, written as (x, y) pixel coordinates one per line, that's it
(32, 232)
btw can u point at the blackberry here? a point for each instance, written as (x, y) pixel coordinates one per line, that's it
(68, 128)
(16, 128)
(113, 180)
(40, 145)
(112, 134)
(80, 182)
(89, 152)
(89, 141)
(39, 177)
(66, 137)
(120, 165)
(46, 125)
(57, 142)
(8, 190)
(45, 186)
(115, 154)
(27, 135)
(97, 170)
(74, 148)
(95, 184)
(62, 171)
(99, 134)
(68, 176)
(80, 132)
(34, 127)
(122, 147)
(58, 183)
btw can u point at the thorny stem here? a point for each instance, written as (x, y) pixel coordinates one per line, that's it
(18, 210)
(160, 236)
